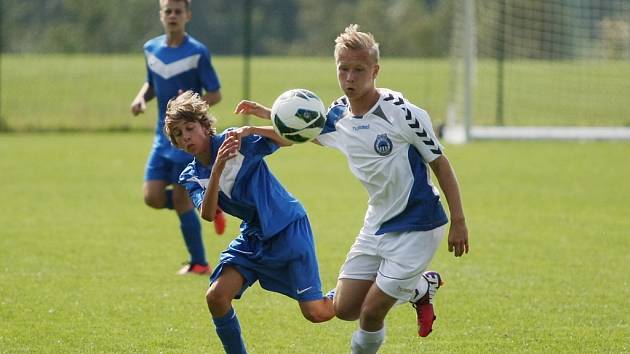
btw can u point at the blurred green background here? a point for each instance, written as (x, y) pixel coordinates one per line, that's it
(86, 267)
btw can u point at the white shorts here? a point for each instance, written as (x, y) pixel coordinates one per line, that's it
(394, 260)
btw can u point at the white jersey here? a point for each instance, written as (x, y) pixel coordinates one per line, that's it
(388, 149)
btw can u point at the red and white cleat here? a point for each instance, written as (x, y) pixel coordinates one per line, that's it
(424, 306)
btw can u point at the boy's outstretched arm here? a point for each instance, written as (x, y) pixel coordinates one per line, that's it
(265, 131)
(260, 111)
(458, 232)
(253, 108)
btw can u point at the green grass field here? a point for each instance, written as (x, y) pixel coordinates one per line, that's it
(57, 92)
(86, 267)
(82, 92)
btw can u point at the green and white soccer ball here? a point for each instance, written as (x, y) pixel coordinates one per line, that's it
(298, 115)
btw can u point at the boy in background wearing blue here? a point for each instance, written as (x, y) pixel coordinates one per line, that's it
(275, 246)
(176, 62)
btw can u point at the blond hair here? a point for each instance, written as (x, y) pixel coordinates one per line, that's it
(352, 38)
(188, 107)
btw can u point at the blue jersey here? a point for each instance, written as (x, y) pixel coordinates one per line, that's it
(248, 190)
(171, 70)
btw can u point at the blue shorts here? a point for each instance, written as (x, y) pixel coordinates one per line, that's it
(285, 263)
(162, 168)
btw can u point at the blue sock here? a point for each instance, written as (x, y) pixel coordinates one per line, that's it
(229, 332)
(169, 199)
(191, 229)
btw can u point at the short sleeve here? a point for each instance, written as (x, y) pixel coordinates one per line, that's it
(209, 77)
(146, 65)
(417, 129)
(194, 186)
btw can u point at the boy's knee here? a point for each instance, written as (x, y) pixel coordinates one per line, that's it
(181, 203)
(153, 202)
(373, 313)
(317, 311)
(215, 298)
(346, 313)
(315, 316)
(347, 316)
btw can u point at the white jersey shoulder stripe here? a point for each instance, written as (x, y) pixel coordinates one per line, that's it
(228, 177)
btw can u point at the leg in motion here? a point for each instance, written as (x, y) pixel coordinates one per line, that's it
(371, 334)
(423, 301)
(219, 298)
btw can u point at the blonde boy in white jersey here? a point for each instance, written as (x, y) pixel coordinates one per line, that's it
(389, 142)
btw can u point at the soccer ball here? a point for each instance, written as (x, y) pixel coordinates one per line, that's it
(298, 115)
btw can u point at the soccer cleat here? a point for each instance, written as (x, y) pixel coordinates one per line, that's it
(219, 222)
(331, 294)
(199, 269)
(424, 305)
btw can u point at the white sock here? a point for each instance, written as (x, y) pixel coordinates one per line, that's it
(364, 342)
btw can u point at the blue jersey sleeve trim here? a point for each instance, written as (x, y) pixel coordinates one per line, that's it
(189, 179)
(332, 117)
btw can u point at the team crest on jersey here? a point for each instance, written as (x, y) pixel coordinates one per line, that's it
(383, 145)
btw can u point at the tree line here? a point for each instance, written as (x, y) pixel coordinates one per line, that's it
(278, 27)
(405, 28)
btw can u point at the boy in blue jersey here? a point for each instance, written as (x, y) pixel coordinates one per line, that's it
(275, 246)
(390, 146)
(176, 62)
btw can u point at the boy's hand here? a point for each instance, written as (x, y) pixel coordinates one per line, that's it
(240, 133)
(228, 150)
(139, 105)
(254, 108)
(458, 238)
